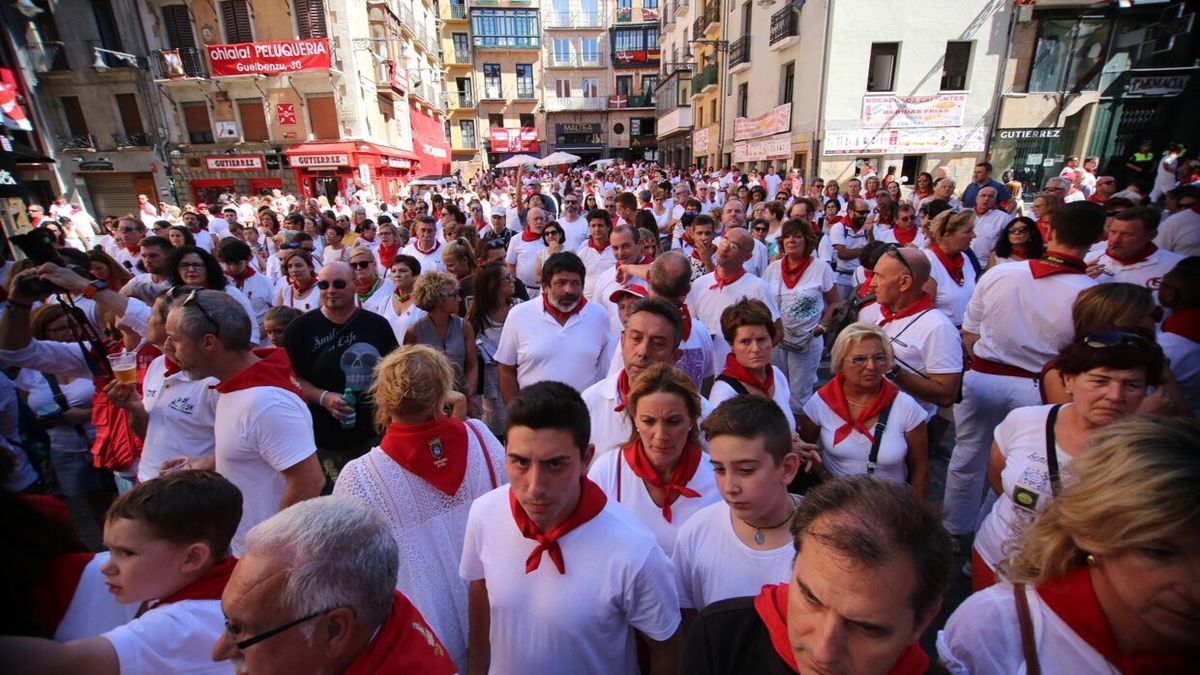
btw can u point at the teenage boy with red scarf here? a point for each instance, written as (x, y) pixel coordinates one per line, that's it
(151, 603)
(845, 608)
(562, 583)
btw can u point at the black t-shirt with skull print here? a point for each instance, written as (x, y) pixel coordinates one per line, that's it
(336, 357)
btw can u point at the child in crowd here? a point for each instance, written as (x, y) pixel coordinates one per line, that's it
(276, 321)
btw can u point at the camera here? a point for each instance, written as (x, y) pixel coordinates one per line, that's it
(38, 246)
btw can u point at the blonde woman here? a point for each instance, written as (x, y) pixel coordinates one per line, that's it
(436, 293)
(952, 273)
(422, 478)
(1108, 576)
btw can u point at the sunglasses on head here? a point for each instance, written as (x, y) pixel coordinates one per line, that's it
(1116, 338)
(193, 300)
(336, 283)
(894, 251)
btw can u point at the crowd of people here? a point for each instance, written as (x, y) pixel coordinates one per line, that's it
(609, 420)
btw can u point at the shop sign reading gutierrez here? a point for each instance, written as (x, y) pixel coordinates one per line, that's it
(269, 58)
(233, 162)
(333, 159)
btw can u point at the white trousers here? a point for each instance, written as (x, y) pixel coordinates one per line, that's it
(987, 400)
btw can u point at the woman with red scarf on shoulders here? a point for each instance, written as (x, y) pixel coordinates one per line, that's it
(750, 333)
(847, 413)
(952, 275)
(1020, 240)
(422, 479)
(661, 476)
(1107, 578)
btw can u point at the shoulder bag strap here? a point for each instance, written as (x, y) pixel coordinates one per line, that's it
(483, 448)
(734, 384)
(1052, 449)
(1028, 644)
(61, 399)
(620, 456)
(880, 425)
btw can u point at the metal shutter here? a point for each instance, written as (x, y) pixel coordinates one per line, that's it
(236, 16)
(112, 195)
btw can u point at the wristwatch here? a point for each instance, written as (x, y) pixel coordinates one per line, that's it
(893, 373)
(93, 288)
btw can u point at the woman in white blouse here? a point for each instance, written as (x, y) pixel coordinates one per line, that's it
(952, 273)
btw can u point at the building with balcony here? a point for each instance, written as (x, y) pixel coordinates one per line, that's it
(708, 59)
(636, 55)
(462, 124)
(313, 98)
(673, 110)
(507, 72)
(575, 67)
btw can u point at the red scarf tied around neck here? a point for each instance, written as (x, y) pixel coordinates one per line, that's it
(722, 282)
(864, 289)
(1136, 258)
(635, 456)
(686, 315)
(834, 396)
(622, 391)
(598, 249)
(953, 267)
(1184, 323)
(529, 235)
(771, 606)
(559, 315)
(791, 275)
(240, 279)
(434, 451)
(591, 502)
(738, 372)
(904, 235)
(923, 303)
(387, 254)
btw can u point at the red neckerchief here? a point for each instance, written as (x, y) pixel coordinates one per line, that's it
(1183, 322)
(274, 369)
(1056, 263)
(830, 222)
(134, 250)
(435, 451)
(170, 367)
(436, 245)
(771, 607)
(791, 276)
(834, 396)
(984, 212)
(403, 644)
(687, 239)
(208, 587)
(645, 260)
(635, 456)
(1073, 599)
(528, 235)
(1136, 258)
(686, 315)
(1019, 251)
(387, 254)
(738, 372)
(240, 279)
(923, 303)
(864, 289)
(560, 316)
(921, 194)
(591, 502)
(365, 295)
(722, 282)
(622, 391)
(298, 290)
(598, 249)
(955, 267)
(1043, 225)
(904, 235)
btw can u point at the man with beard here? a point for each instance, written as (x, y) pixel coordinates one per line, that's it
(154, 252)
(848, 240)
(574, 225)
(563, 337)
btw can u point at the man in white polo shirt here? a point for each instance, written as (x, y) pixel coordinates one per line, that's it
(1018, 319)
(523, 249)
(1132, 256)
(561, 578)
(573, 222)
(596, 252)
(989, 224)
(264, 440)
(726, 285)
(425, 247)
(560, 337)
(733, 217)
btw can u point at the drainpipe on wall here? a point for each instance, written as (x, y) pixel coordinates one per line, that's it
(998, 93)
(818, 134)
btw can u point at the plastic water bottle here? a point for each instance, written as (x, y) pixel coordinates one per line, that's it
(348, 397)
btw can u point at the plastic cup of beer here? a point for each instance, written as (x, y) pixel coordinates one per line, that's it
(124, 366)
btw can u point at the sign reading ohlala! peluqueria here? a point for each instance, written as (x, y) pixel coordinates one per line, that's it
(269, 58)
(234, 162)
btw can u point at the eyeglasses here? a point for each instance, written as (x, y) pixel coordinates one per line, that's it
(1021, 229)
(554, 233)
(361, 264)
(760, 229)
(193, 299)
(860, 210)
(336, 283)
(877, 359)
(191, 265)
(243, 645)
(1116, 338)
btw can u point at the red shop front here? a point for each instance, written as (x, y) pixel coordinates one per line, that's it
(341, 168)
(429, 143)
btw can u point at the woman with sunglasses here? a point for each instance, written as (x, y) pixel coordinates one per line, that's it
(1021, 240)
(554, 238)
(193, 266)
(298, 287)
(1108, 374)
(865, 424)
(922, 191)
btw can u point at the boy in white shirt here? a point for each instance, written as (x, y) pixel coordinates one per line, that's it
(151, 604)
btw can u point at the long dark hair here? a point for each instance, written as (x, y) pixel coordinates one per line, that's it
(487, 288)
(214, 276)
(1034, 248)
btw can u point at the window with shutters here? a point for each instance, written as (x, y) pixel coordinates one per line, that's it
(73, 111)
(254, 119)
(322, 117)
(310, 19)
(177, 24)
(562, 88)
(197, 122)
(131, 117)
(235, 15)
(106, 25)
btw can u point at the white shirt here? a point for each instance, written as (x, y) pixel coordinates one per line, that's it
(616, 578)
(541, 349)
(172, 638)
(801, 306)
(131, 261)
(951, 298)
(377, 300)
(612, 470)
(93, 610)
(286, 295)
(712, 564)
(260, 293)
(888, 236)
(1180, 233)
(611, 429)
(1021, 439)
(595, 263)
(523, 256)
(1185, 365)
(182, 414)
(232, 291)
(1022, 321)
(850, 455)
(575, 232)
(430, 262)
(771, 181)
(1147, 273)
(707, 304)
(841, 235)
(988, 229)
(260, 432)
(722, 392)
(401, 322)
(925, 343)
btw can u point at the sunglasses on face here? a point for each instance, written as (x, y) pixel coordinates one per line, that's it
(1019, 230)
(336, 283)
(760, 229)
(361, 264)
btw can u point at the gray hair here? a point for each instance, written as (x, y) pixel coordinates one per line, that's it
(215, 312)
(857, 332)
(338, 552)
(947, 179)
